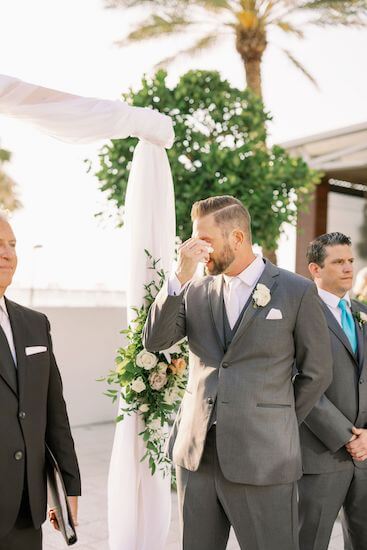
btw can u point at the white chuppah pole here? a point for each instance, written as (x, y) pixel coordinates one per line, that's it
(138, 503)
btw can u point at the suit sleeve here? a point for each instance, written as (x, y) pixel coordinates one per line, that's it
(329, 424)
(58, 433)
(313, 353)
(166, 322)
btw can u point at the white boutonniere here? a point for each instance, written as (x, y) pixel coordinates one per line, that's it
(261, 296)
(360, 317)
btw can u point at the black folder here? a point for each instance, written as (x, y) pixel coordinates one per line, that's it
(58, 500)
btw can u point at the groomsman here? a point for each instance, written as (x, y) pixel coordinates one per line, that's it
(235, 441)
(32, 413)
(334, 434)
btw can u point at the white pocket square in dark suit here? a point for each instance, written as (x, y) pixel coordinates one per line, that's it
(31, 350)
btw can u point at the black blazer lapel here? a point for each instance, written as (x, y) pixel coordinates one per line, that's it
(7, 366)
(338, 331)
(360, 337)
(268, 278)
(17, 325)
(216, 304)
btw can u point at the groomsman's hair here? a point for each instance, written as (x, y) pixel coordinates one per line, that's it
(316, 251)
(228, 212)
(4, 215)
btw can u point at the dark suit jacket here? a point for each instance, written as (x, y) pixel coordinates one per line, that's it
(328, 427)
(33, 412)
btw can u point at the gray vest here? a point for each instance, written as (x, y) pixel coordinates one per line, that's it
(228, 337)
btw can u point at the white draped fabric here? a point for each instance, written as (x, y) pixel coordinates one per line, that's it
(138, 503)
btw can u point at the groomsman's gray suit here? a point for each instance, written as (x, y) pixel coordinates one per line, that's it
(332, 479)
(249, 461)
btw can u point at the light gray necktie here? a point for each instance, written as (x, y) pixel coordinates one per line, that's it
(233, 303)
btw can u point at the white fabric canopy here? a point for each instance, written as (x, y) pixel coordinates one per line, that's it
(139, 504)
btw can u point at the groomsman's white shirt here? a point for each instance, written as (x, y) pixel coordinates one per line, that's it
(243, 286)
(6, 326)
(332, 301)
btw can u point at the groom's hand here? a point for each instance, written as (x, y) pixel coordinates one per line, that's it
(358, 447)
(190, 253)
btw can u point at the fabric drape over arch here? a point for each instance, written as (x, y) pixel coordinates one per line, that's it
(139, 504)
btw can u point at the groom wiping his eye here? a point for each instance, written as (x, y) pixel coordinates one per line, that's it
(235, 441)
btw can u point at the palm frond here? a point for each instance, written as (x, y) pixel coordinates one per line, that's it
(203, 43)
(289, 28)
(156, 26)
(300, 67)
(337, 12)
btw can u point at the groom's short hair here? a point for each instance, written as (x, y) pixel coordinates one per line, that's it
(316, 251)
(228, 212)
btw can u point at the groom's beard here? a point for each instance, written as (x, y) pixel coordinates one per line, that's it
(222, 262)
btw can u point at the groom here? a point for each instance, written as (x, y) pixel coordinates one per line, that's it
(235, 441)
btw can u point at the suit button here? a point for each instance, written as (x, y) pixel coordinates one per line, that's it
(210, 400)
(361, 381)
(225, 365)
(21, 415)
(18, 455)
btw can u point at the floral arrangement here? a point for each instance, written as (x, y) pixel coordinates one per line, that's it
(151, 384)
(361, 318)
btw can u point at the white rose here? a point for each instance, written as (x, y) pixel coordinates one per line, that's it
(262, 295)
(170, 396)
(144, 408)
(157, 380)
(138, 385)
(146, 360)
(155, 424)
(363, 316)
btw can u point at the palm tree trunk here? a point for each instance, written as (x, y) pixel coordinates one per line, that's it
(251, 44)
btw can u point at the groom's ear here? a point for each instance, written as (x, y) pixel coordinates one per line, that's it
(314, 269)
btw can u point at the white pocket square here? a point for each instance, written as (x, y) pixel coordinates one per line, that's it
(31, 350)
(274, 314)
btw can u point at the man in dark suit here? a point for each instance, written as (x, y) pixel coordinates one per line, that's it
(334, 434)
(33, 413)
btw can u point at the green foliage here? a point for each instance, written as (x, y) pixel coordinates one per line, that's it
(219, 149)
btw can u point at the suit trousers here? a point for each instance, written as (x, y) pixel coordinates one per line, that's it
(322, 496)
(23, 535)
(263, 517)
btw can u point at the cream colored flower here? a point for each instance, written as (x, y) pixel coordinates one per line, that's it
(157, 380)
(261, 295)
(144, 407)
(155, 424)
(146, 360)
(178, 366)
(162, 367)
(138, 385)
(171, 395)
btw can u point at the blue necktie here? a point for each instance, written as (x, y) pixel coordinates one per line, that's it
(348, 324)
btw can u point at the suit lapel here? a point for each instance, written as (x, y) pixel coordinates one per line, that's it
(215, 296)
(7, 367)
(360, 337)
(268, 278)
(17, 325)
(337, 330)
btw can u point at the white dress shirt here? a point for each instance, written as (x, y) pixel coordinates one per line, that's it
(332, 302)
(244, 284)
(6, 326)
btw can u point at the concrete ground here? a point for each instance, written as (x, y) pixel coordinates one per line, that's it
(94, 445)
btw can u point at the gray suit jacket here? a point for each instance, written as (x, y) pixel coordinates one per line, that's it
(328, 427)
(257, 405)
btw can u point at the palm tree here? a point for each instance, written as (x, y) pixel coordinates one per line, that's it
(8, 193)
(249, 21)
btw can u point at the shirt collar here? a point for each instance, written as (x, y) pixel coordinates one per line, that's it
(331, 299)
(3, 306)
(251, 274)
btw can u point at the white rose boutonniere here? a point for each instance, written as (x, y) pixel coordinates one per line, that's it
(146, 360)
(261, 296)
(360, 317)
